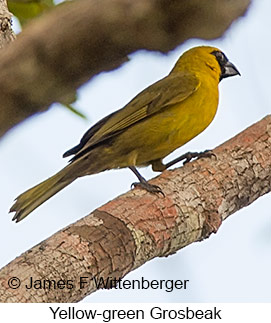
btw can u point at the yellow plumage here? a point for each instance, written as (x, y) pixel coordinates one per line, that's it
(157, 121)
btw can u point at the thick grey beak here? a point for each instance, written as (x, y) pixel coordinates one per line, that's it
(228, 70)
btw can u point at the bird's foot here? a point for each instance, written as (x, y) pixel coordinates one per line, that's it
(187, 157)
(204, 154)
(154, 189)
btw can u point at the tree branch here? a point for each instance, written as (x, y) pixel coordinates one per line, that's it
(6, 33)
(137, 226)
(61, 50)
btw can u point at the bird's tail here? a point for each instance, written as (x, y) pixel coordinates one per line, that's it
(35, 196)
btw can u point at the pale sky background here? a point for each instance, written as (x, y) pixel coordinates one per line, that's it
(233, 265)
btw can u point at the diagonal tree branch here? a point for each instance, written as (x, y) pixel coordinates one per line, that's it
(137, 226)
(61, 50)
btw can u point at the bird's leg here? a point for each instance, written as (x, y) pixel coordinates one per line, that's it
(144, 184)
(187, 157)
(158, 166)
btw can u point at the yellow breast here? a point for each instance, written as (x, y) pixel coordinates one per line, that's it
(184, 121)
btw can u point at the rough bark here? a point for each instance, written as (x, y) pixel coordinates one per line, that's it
(6, 33)
(61, 50)
(137, 226)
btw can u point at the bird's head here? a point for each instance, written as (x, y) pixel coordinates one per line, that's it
(206, 59)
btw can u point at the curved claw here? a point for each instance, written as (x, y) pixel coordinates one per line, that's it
(148, 187)
(204, 154)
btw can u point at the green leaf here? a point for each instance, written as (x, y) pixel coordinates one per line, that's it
(75, 111)
(26, 10)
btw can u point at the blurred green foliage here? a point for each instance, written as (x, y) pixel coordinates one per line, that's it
(26, 10)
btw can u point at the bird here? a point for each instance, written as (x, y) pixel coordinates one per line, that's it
(157, 121)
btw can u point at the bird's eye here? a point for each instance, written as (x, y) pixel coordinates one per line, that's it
(221, 57)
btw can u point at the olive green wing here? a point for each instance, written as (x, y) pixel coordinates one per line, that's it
(174, 88)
